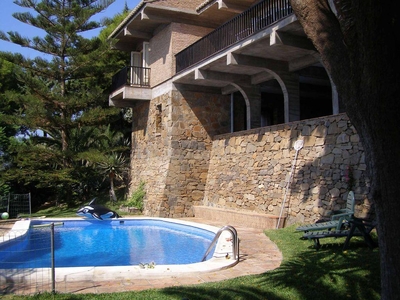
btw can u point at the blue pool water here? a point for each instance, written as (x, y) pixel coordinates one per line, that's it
(80, 243)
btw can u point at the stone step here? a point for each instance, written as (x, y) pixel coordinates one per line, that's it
(238, 218)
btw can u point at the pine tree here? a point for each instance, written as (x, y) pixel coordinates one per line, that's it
(7, 131)
(60, 92)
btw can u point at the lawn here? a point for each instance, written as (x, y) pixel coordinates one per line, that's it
(305, 273)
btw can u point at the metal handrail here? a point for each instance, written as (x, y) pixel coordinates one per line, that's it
(48, 225)
(131, 75)
(235, 241)
(254, 19)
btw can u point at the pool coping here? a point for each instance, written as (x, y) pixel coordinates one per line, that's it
(258, 254)
(19, 228)
(70, 274)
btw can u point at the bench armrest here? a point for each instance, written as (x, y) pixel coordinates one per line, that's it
(339, 216)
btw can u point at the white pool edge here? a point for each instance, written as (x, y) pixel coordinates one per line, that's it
(69, 274)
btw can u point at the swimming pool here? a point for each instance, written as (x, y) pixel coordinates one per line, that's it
(81, 243)
(172, 245)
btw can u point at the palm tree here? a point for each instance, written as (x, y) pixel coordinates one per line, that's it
(115, 165)
(110, 156)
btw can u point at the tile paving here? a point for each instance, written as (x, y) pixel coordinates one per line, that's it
(257, 255)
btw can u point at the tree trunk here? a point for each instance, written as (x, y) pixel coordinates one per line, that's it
(357, 41)
(112, 192)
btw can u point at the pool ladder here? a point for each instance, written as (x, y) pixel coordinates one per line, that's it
(235, 241)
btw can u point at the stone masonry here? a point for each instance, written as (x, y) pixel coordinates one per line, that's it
(171, 149)
(182, 150)
(249, 171)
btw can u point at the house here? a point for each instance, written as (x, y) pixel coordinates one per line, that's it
(220, 92)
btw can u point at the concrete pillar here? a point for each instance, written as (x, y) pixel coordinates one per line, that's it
(289, 83)
(253, 95)
(335, 97)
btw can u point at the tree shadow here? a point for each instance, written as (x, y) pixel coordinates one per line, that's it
(329, 273)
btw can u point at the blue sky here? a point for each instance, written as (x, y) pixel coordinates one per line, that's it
(8, 23)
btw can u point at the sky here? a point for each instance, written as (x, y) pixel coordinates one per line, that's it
(9, 23)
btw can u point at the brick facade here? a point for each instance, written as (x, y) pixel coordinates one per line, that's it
(168, 42)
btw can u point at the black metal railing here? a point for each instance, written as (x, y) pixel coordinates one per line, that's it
(131, 75)
(254, 19)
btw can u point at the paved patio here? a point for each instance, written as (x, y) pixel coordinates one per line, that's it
(257, 255)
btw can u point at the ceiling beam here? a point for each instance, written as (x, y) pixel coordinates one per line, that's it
(302, 62)
(231, 7)
(220, 76)
(154, 17)
(197, 88)
(261, 77)
(229, 89)
(287, 39)
(137, 34)
(166, 15)
(257, 62)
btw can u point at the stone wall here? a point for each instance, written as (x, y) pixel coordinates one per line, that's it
(150, 155)
(249, 170)
(185, 155)
(171, 149)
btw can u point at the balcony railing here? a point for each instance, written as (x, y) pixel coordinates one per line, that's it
(133, 76)
(254, 19)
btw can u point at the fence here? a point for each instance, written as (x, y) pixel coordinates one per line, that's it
(17, 276)
(16, 204)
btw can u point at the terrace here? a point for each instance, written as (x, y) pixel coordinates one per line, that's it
(262, 46)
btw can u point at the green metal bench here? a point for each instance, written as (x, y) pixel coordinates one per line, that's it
(358, 227)
(338, 221)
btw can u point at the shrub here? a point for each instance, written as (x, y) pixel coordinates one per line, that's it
(136, 199)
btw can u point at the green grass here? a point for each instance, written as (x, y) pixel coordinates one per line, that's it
(64, 211)
(305, 273)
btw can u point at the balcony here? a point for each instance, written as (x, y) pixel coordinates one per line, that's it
(251, 21)
(129, 85)
(256, 47)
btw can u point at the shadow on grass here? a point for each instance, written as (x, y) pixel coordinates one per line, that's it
(328, 273)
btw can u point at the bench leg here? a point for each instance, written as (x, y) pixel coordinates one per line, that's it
(349, 236)
(367, 237)
(317, 244)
